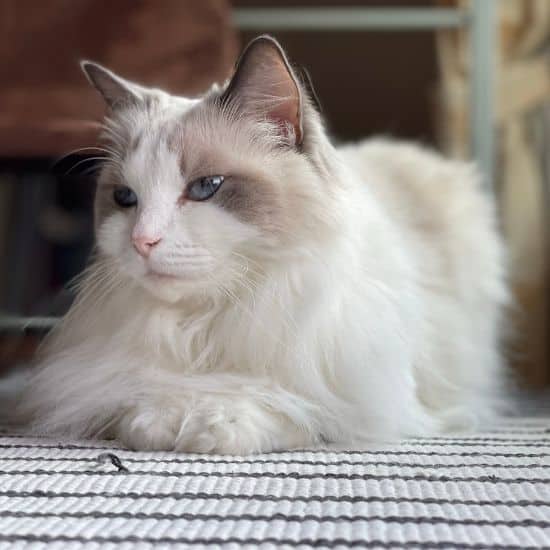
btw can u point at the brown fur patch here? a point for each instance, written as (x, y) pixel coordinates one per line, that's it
(251, 200)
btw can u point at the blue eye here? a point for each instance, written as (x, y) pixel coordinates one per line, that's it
(203, 188)
(124, 196)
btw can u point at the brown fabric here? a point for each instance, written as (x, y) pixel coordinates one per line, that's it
(46, 105)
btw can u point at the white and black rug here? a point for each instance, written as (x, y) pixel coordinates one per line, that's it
(483, 490)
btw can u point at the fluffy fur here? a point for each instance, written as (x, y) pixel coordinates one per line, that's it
(322, 294)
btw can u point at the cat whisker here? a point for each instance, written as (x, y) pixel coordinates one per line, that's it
(252, 286)
(248, 262)
(90, 170)
(234, 299)
(287, 318)
(92, 148)
(88, 159)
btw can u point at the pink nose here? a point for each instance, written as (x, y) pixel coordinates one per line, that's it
(145, 244)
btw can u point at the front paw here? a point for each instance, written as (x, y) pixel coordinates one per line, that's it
(150, 427)
(212, 423)
(235, 425)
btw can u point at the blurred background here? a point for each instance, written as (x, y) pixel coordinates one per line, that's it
(470, 78)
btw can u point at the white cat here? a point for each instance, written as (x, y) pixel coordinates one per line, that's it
(255, 288)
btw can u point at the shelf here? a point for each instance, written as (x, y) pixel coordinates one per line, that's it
(348, 19)
(13, 324)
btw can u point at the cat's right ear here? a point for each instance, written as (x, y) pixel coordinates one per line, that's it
(265, 85)
(116, 91)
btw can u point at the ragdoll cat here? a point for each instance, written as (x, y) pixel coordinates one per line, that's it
(255, 288)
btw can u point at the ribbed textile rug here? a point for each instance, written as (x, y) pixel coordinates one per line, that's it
(483, 490)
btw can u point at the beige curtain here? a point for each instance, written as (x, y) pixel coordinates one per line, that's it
(522, 89)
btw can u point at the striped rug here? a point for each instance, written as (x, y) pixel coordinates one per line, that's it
(483, 490)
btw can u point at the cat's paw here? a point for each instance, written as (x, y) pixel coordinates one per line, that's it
(218, 424)
(150, 428)
(216, 427)
(234, 425)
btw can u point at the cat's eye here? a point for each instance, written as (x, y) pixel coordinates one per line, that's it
(203, 188)
(124, 196)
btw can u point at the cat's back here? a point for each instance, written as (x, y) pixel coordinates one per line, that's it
(447, 220)
(446, 223)
(417, 186)
(439, 203)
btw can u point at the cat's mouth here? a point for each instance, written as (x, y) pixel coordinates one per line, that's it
(167, 277)
(160, 276)
(170, 287)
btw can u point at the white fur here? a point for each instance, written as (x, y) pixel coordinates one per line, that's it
(380, 319)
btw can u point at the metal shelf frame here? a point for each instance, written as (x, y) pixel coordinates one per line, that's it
(479, 18)
(347, 19)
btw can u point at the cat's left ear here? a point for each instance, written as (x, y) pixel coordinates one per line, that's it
(264, 84)
(116, 91)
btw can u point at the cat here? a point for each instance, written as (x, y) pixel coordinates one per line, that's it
(255, 288)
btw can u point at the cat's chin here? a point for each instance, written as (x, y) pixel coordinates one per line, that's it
(169, 288)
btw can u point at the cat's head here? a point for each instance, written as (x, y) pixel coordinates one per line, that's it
(197, 193)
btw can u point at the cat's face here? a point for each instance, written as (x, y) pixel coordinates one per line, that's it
(200, 194)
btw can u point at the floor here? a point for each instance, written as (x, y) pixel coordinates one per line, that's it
(484, 490)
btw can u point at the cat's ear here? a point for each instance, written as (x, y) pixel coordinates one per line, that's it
(265, 84)
(116, 91)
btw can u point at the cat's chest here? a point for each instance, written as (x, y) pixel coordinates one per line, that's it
(184, 341)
